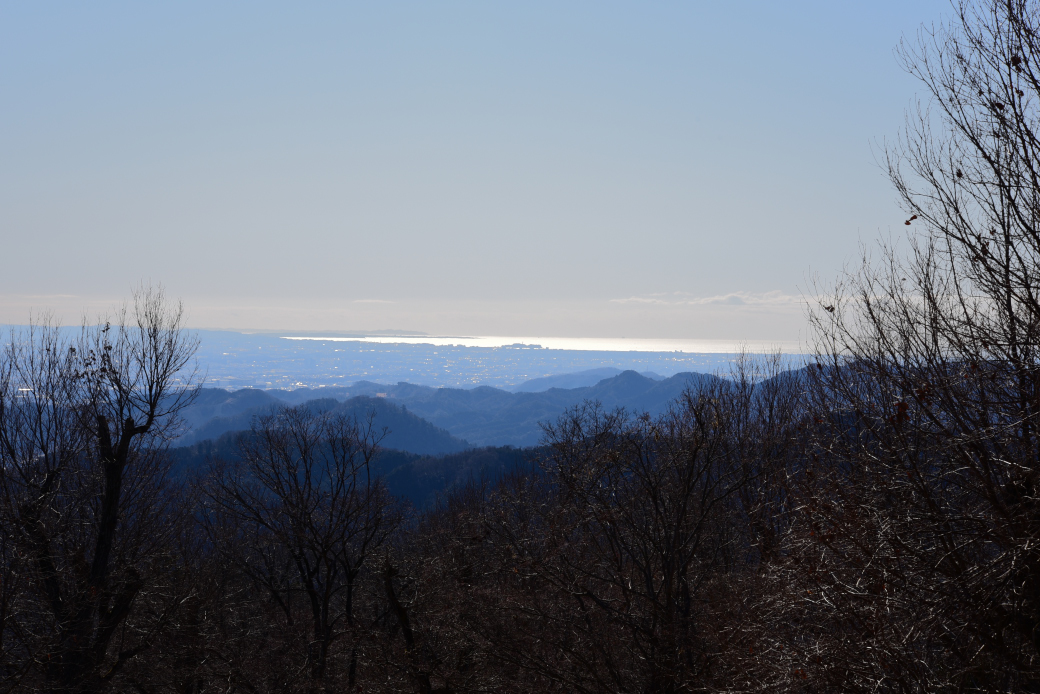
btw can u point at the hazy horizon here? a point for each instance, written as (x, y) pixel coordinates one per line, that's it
(770, 319)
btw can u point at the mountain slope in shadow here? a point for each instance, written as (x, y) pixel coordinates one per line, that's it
(217, 412)
(491, 417)
(481, 416)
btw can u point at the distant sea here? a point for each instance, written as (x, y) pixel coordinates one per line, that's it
(232, 359)
(585, 344)
(291, 360)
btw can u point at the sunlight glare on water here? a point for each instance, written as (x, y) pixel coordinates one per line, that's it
(587, 344)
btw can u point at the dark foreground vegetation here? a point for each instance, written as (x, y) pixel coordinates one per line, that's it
(871, 523)
(419, 480)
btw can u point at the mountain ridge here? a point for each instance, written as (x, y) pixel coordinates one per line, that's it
(217, 412)
(482, 416)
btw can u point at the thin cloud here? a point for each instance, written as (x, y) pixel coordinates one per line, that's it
(774, 298)
(373, 301)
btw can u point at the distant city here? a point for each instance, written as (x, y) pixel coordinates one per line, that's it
(235, 360)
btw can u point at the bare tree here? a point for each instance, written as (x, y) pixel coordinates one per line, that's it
(621, 569)
(923, 513)
(440, 586)
(83, 426)
(302, 514)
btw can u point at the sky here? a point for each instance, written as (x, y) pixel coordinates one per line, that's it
(662, 170)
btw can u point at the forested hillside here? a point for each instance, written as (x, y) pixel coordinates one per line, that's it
(417, 478)
(217, 412)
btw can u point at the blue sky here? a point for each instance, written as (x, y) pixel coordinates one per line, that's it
(538, 168)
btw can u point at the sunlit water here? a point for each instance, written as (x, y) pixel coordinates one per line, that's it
(585, 344)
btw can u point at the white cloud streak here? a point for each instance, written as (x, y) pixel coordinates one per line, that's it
(772, 299)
